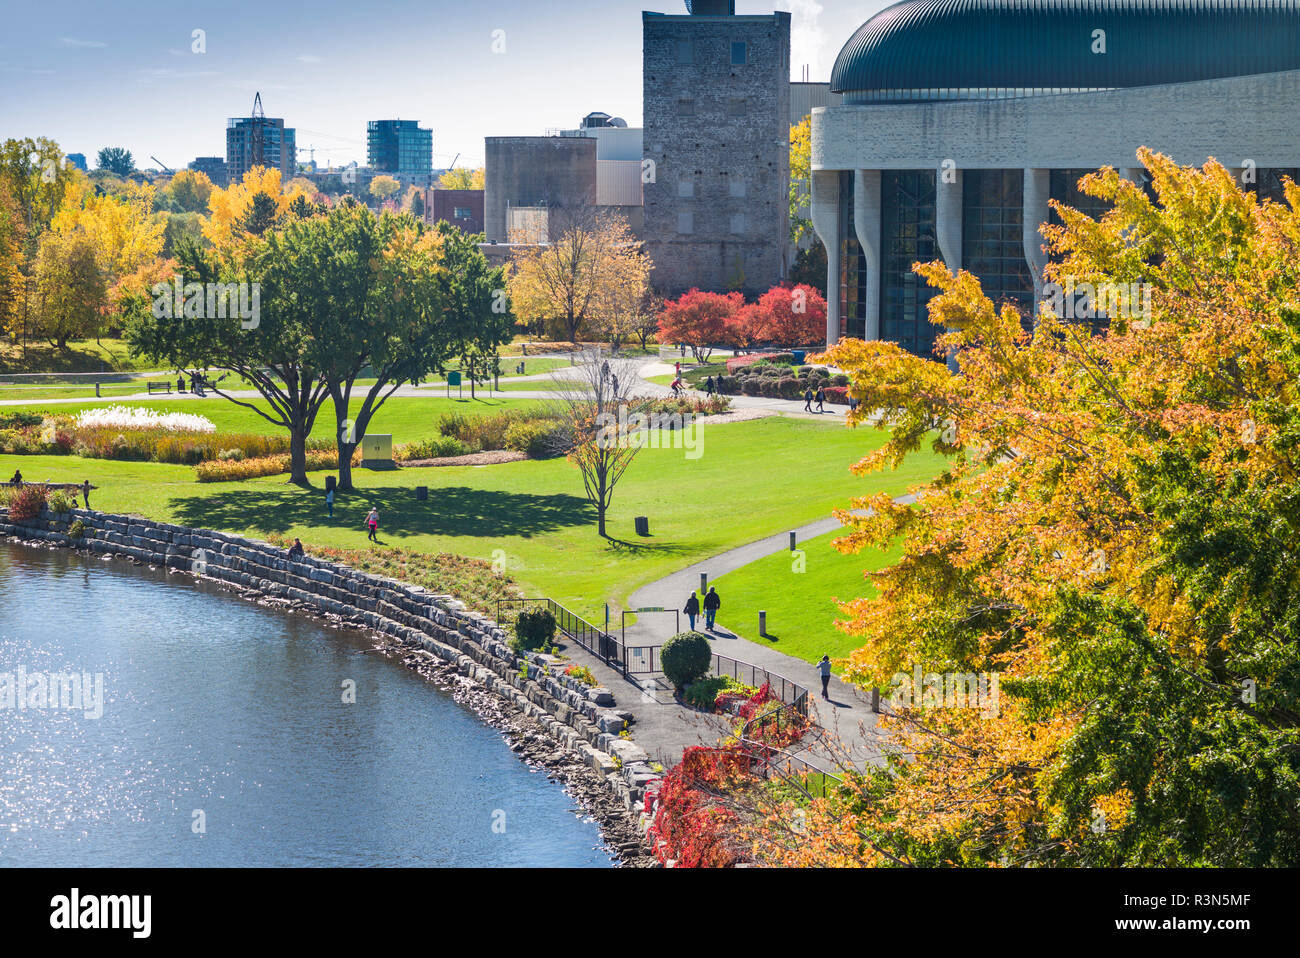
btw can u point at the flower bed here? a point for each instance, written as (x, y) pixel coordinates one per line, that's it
(141, 417)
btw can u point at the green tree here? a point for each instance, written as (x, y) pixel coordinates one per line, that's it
(388, 314)
(801, 180)
(70, 287)
(117, 160)
(277, 353)
(474, 297)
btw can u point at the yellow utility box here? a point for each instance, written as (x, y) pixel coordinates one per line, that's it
(377, 452)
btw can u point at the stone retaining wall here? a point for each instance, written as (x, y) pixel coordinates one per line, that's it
(579, 718)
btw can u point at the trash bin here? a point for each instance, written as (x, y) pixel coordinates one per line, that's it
(798, 355)
(422, 492)
(642, 525)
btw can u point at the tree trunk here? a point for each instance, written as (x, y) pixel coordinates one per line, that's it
(345, 465)
(297, 456)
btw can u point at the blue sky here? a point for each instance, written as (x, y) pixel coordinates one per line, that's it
(92, 74)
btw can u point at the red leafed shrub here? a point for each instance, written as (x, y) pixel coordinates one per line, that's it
(839, 395)
(691, 828)
(27, 502)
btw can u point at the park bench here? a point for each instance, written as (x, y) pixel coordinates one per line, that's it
(159, 387)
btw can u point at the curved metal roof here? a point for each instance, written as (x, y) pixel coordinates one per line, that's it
(1048, 44)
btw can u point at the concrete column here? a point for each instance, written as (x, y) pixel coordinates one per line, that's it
(947, 218)
(1038, 188)
(866, 223)
(826, 222)
(947, 227)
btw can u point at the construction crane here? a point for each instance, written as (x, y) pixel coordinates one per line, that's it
(163, 166)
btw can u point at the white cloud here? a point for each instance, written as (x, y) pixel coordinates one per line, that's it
(308, 58)
(807, 38)
(75, 42)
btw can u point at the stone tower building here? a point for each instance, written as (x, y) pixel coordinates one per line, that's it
(717, 141)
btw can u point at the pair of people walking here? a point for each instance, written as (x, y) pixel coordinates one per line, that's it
(810, 397)
(712, 602)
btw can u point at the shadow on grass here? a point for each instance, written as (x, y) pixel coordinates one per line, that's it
(645, 548)
(452, 511)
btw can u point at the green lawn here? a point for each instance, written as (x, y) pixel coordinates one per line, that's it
(752, 479)
(406, 418)
(83, 355)
(800, 605)
(692, 375)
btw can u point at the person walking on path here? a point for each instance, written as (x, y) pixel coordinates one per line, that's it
(329, 502)
(708, 386)
(85, 492)
(820, 399)
(712, 602)
(824, 667)
(692, 609)
(807, 399)
(372, 523)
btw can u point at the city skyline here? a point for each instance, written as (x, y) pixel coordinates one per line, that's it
(162, 91)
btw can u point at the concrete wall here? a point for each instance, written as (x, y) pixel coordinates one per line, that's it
(737, 130)
(1231, 119)
(554, 171)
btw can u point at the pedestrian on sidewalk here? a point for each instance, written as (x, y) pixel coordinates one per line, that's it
(820, 399)
(329, 502)
(807, 399)
(712, 602)
(372, 523)
(692, 609)
(824, 667)
(708, 386)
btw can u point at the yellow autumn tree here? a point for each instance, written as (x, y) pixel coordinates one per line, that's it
(251, 206)
(592, 272)
(1108, 556)
(462, 178)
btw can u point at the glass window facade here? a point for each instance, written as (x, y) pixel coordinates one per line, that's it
(992, 235)
(1065, 190)
(907, 236)
(1268, 184)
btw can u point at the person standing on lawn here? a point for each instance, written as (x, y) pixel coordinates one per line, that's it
(712, 602)
(85, 492)
(824, 667)
(372, 523)
(692, 609)
(329, 502)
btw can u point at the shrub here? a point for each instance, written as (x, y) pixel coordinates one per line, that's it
(685, 657)
(20, 420)
(839, 395)
(534, 629)
(703, 693)
(727, 384)
(539, 439)
(750, 386)
(839, 379)
(788, 388)
(77, 530)
(61, 500)
(232, 470)
(27, 502)
(438, 447)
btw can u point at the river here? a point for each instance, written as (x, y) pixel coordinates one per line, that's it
(225, 738)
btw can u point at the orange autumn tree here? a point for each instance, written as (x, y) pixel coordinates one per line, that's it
(1113, 541)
